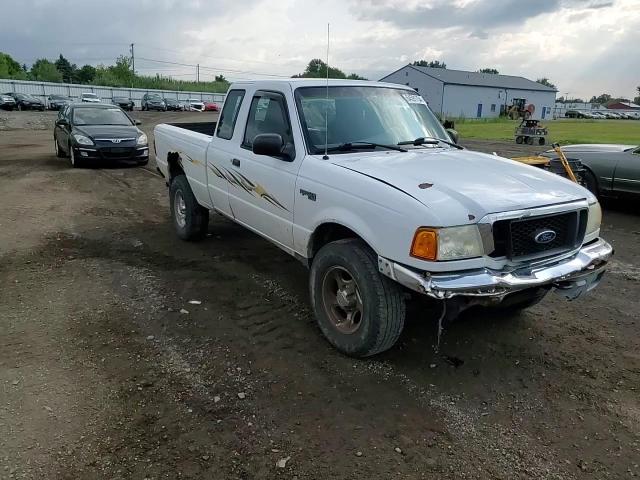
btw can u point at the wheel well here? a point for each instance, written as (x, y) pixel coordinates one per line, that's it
(175, 165)
(327, 233)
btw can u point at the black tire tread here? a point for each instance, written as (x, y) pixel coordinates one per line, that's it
(197, 216)
(390, 319)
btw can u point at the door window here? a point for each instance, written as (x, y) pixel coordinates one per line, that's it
(229, 114)
(268, 114)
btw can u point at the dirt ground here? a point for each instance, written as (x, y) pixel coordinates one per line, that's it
(104, 374)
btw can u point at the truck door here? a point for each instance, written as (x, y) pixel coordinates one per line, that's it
(223, 147)
(262, 188)
(627, 174)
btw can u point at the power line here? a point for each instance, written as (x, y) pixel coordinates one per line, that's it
(217, 69)
(144, 45)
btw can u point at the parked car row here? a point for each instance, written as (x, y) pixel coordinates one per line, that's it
(150, 101)
(602, 115)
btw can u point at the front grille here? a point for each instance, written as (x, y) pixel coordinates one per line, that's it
(516, 238)
(118, 152)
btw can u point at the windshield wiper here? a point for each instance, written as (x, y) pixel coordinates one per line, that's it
(343, 147)
(430, 141)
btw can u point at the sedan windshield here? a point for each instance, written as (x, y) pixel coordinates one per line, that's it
(376, 115)
(100, 116)
(89, 95)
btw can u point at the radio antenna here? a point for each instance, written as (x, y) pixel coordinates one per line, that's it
(326, 105)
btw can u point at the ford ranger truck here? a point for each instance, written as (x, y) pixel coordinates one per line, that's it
(360, 181)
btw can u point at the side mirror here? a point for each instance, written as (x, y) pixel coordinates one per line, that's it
(455, 136)
(137, 122)
(270, 144)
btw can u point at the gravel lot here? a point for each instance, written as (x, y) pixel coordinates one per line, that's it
(104, 374)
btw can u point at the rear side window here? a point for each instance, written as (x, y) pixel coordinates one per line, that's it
(227, 121)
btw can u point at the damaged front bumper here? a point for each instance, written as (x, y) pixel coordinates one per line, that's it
(572, 276)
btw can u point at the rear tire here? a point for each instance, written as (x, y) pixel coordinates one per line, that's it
(519, 140)
(190, 219)
(541, 141)
(360, 311)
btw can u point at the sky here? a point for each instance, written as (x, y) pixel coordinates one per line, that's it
(585, 47)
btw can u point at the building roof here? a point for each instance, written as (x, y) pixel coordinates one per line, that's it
(476, 79)
(624, 105)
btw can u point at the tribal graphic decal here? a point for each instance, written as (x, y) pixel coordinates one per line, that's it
(240, 181)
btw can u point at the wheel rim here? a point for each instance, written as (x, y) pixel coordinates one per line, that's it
(180, 208)
(342, 300)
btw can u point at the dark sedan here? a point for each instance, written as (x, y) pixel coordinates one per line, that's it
(56, 102)
(124, 103)
(173, 104)
(153, 101)
(89, 133)
(610, 169)
(26, 102)
(7, 102)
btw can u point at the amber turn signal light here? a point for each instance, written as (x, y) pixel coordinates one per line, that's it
(425, 244)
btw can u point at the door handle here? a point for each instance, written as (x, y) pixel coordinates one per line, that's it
(235, 162)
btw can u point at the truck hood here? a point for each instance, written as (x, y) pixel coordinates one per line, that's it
(462, 183)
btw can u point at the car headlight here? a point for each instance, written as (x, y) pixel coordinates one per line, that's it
(452, 243)
(142, 140)
(82, 139)
(595, 219)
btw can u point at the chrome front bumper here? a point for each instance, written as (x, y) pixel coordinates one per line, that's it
(573, 276)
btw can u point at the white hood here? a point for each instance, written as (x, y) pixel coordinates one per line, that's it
(462, 182)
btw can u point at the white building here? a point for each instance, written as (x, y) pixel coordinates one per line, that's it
(456, 93)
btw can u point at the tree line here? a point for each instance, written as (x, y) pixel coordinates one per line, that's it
(120, 74)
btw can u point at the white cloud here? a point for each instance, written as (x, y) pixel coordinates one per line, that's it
(586, 47)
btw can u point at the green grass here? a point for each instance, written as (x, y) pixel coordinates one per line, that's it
(565, 131)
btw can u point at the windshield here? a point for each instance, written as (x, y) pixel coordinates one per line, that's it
(154, 97)
(121, 99)
(89, 95)
(100, 116)
(364, 114)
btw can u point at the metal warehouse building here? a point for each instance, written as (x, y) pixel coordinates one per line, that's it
(456, 93)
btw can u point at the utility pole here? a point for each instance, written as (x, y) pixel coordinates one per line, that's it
(133, 60)
(198, 73)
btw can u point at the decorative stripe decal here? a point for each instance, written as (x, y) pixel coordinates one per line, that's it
(238, 180)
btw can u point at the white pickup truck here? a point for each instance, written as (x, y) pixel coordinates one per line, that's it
(361, 182)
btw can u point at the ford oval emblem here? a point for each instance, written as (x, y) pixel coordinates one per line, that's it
(545, 236)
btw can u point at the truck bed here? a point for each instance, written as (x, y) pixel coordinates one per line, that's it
(206, 128)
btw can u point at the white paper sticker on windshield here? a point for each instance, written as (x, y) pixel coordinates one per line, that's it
(413, 98)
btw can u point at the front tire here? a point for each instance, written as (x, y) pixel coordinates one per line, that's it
(360, 311)
(516, 302)
(590, 182)
(73, 160)
(190, 219)
(59, 152)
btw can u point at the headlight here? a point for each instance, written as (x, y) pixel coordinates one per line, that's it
(453, 243)
(595, 218)
(82, 140)
(142, 140)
